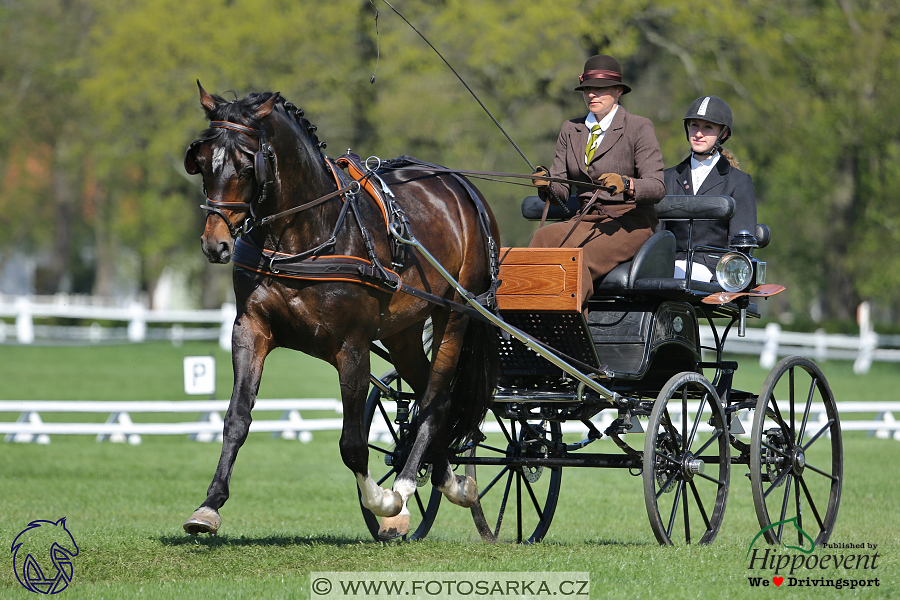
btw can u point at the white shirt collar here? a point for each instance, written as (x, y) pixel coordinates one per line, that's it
(605, 122)
(706, 163)
(701, 168)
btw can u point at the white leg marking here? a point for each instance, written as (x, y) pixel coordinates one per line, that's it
(382, 502)
(461, 490)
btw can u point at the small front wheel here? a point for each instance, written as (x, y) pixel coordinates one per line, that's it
(386, 461)
(516, 501)
(687, 462)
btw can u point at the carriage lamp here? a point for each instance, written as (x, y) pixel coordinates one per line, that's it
(734, 271)
(744, 241)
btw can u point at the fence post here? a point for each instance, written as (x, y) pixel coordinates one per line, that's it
(24, 321)
(769, 355)
(137, 324)
(868, 340)
(229, 313)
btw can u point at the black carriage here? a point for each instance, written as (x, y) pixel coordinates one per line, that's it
(633, 370)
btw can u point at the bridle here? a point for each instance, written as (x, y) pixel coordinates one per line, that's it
(260, 165)
(260, 168)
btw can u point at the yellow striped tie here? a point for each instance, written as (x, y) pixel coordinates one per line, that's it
(596, 132)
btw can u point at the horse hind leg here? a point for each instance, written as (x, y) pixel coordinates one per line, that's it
(461, 490)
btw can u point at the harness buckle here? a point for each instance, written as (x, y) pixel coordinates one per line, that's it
(272, 268)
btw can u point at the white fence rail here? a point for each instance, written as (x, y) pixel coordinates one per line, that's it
(134, 316)
(119, 427)
(768, 343)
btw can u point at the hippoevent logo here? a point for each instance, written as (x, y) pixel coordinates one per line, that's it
(803, 566)
(42, 556)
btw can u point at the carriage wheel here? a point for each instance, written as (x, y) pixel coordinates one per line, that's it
(687, 462)
(383, 435)
(516, 502)
(796, 465)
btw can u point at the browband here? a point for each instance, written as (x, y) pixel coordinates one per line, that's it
(235, 127)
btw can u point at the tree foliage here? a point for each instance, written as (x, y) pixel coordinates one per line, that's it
(99, 101)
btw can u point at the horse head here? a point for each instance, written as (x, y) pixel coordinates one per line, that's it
(239, 157)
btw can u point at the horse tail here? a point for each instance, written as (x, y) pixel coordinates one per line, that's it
(472, 385)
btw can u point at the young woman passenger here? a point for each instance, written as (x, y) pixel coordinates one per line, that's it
(617, 149)
(710, 170)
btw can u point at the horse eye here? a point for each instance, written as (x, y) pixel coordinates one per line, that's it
(245, 172)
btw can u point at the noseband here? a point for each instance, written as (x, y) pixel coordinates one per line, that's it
(261, 170)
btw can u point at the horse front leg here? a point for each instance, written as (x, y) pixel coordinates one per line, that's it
(249, 349)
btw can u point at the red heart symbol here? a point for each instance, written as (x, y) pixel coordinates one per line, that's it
(778, 580)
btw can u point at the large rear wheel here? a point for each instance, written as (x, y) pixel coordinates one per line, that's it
(796, 463)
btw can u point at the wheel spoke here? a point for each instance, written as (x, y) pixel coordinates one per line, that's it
(708, 443)
(819, 433)
(775, 450)
(687, 517)
(793, 428)
(799, 512)
(379, 449)
(700, 506)
(534, 501)
(674, 508)
(502, 510)
(777, 482)
(784, 505)
(388, 474)
(664, 486)
(491, 484)
(419, 501)
(812, 391)
(820, 472)
(708, 478)
(387, 421)
(684, 416)
(668, 458)
(690, 440)
(812, 504)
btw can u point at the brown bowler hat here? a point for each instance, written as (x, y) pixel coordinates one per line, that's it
(602, 71)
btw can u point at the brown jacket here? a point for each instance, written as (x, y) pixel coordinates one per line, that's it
(629, 148)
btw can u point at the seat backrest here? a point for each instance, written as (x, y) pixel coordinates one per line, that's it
(533, 208)
(698, 208)
(655, 259)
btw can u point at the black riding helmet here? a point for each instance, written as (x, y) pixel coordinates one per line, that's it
(712, 109)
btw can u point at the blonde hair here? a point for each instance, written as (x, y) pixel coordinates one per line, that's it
(730, 158)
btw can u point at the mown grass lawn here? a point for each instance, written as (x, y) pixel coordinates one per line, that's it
(293, 507)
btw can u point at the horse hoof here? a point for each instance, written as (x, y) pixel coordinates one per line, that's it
(466, 492)
(204, 520)
(394, 527)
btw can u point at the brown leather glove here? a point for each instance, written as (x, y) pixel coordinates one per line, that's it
(617, 183)
(541, 172)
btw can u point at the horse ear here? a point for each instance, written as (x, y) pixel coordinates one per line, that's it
(190, 165)
(266, 107)
(208, 102)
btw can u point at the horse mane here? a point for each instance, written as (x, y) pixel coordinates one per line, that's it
(244, 111)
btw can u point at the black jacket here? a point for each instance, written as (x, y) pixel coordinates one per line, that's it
(723, 180)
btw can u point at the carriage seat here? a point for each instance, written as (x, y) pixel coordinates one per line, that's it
(653, 267)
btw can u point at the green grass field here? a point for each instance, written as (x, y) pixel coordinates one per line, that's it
(293, 506)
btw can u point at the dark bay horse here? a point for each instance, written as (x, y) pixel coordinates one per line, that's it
(260, 157)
